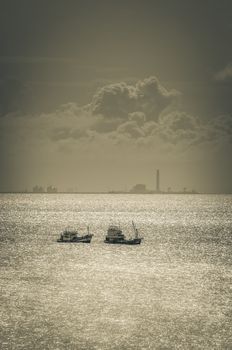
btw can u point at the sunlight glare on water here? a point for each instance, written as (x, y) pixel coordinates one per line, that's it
(171, 292)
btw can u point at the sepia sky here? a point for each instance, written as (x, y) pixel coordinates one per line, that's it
(96, 95)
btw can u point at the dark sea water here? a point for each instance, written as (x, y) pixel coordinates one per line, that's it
(171, 292)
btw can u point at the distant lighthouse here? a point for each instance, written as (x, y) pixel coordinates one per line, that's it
(157, 181)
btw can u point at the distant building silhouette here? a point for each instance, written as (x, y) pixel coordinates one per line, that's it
(139, 188)
(51, 189)
(38, 189)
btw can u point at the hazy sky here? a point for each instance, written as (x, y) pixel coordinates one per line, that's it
(98, 94)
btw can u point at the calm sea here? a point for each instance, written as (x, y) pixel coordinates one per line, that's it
(171, 292)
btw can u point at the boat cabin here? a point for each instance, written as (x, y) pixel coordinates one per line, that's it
(69, 235)
(114, 232)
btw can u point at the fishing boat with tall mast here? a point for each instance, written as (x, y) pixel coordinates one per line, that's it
(115, 236)
(72, 236)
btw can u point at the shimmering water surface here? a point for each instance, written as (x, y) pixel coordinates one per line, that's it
(171, 292)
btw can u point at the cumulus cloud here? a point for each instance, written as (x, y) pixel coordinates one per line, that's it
(179, 126)
(120, 113)
(225, 74)
(131, 129)
(123, 124)
(119, 100)
(114, 101)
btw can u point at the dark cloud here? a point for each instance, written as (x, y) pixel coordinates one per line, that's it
(119, 100)
(142, 112)
(114, 101)
(145, 110)
(152, 97)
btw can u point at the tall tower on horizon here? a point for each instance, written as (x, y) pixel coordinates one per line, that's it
(157, 180)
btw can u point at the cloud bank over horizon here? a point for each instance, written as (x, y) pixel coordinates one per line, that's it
(123, 124)
(120, 111)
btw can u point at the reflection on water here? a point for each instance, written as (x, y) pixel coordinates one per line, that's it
(171, 292)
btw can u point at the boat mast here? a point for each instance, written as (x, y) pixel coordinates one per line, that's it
(135, 229)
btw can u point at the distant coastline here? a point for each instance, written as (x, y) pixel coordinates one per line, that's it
(116, 192)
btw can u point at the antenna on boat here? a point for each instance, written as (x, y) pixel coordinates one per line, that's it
(135, 229)
(88, 229)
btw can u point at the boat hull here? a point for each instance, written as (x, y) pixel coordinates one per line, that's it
(125, 241)
(83, 239)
